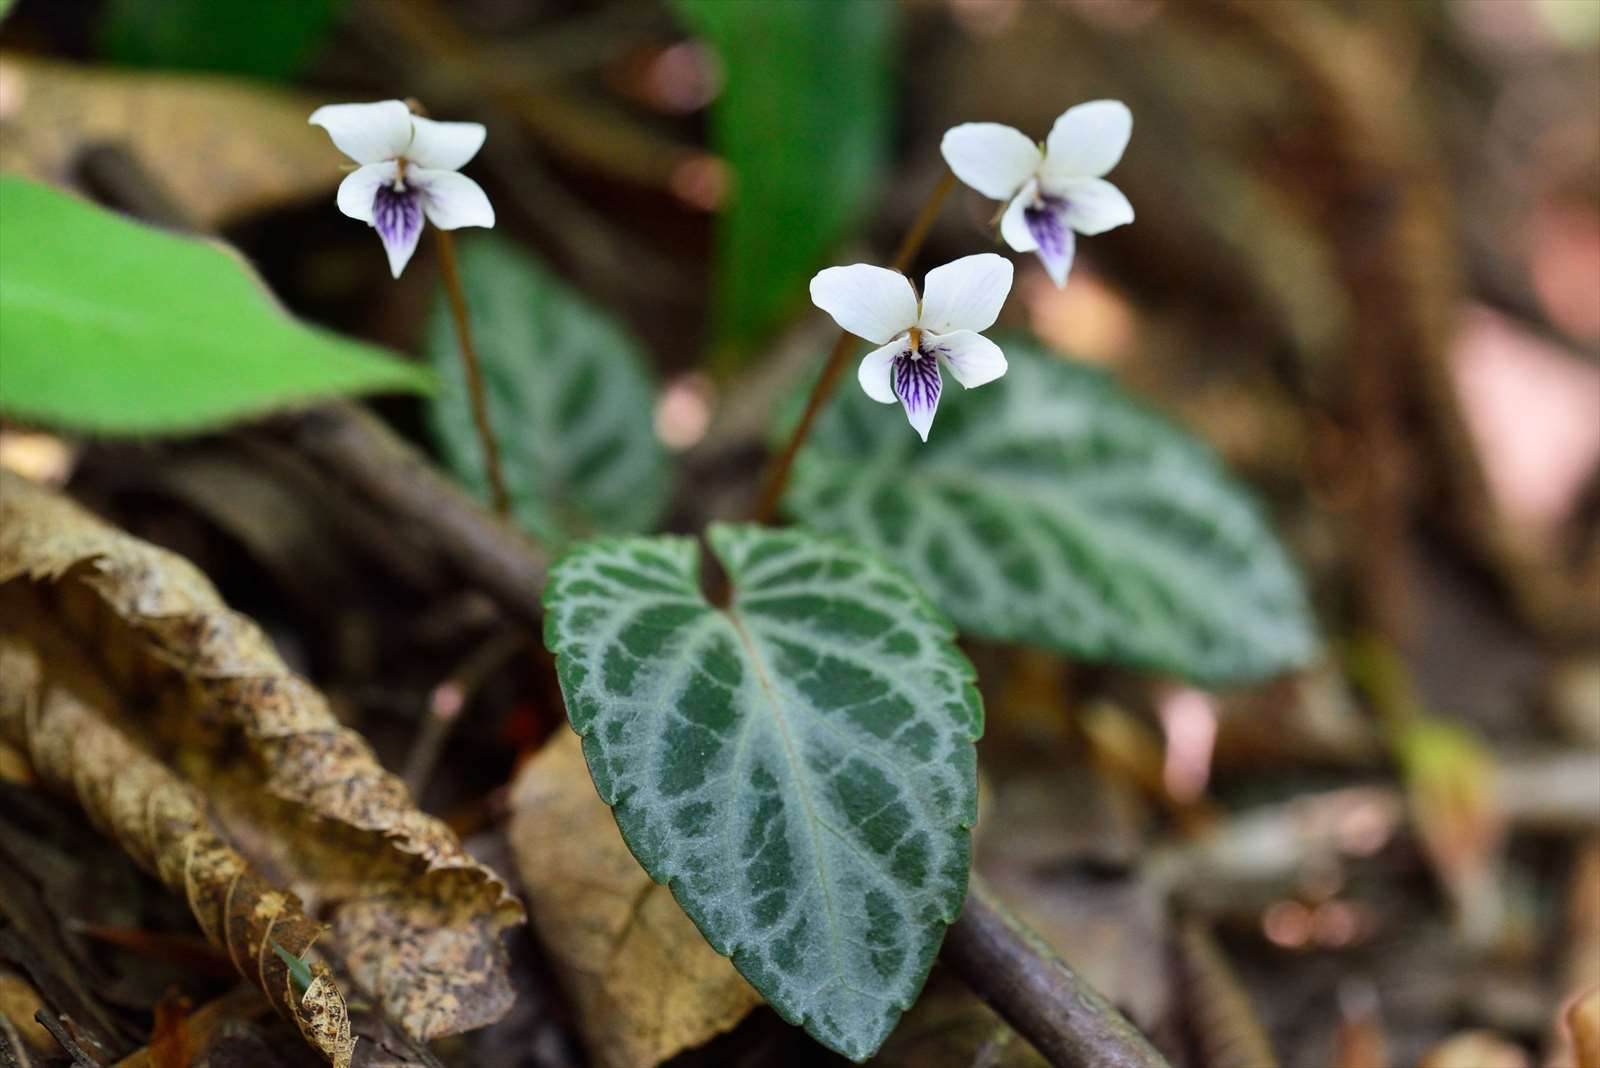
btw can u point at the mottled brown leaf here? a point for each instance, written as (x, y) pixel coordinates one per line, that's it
(222, 147)
(54, 707)
(646, 984)
(415, 919)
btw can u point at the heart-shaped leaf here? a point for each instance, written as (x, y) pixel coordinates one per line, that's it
(797, 767)
(570, 401)
(1050, 507)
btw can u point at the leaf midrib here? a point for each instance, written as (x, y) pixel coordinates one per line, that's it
(798, 772)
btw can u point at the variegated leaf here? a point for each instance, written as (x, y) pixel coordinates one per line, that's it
(1049, 507)
(797, 767)
(570, 400)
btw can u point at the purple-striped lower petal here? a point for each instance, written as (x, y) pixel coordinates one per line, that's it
(397, 216)
(1047, 223)
(917, 383)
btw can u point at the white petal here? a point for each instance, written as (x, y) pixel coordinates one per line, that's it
(965, 294)
(973, 360)
(870, 302)
(993, 159)
(1094, 205)
(367, 133)
(873, 374)
(1014, 225)
(444, 146)
(1087, 140)
(359, 187)
(452, 200)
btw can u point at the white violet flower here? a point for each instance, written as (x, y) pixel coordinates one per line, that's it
(1053, 190)
(959, 299)
(408, 170)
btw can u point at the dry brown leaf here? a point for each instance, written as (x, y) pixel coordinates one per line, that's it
(415, 919)
(18, 1002)
(222, 147)
(54, 706)
(170, 1044)
(646, 984)
(203, 1025)
(1581, 1026)
(1475, 1049)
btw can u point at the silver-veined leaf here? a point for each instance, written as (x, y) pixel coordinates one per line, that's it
(797, 767)
(570, 400)
(1051, 508)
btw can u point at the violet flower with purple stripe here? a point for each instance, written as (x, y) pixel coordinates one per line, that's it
(918, 340)
(408, 172)
(1053, 191)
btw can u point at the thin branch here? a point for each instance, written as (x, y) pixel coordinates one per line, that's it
(355, 448)
(1021, 978)
(58, 1028)
(778, 473)
(474, 375)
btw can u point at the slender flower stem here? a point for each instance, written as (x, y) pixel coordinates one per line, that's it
(778, 473)
(469, 361)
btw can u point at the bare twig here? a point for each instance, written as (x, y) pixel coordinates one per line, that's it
(1011, 968)
(473, 374)
(356, 449)
(59, 1030)
(778, 474)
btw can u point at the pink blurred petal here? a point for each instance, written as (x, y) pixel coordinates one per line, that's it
(1534, 411)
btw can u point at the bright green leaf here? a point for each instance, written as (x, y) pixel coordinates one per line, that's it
(1050, 508)
(570, 401)
(264, 38)
(803, 123)
(798, 767)
(108, 325)
(299, 974)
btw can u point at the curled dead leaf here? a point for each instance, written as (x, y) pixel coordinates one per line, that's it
(222, 147)
(54, 706)
(646, 984)
(415, 919)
